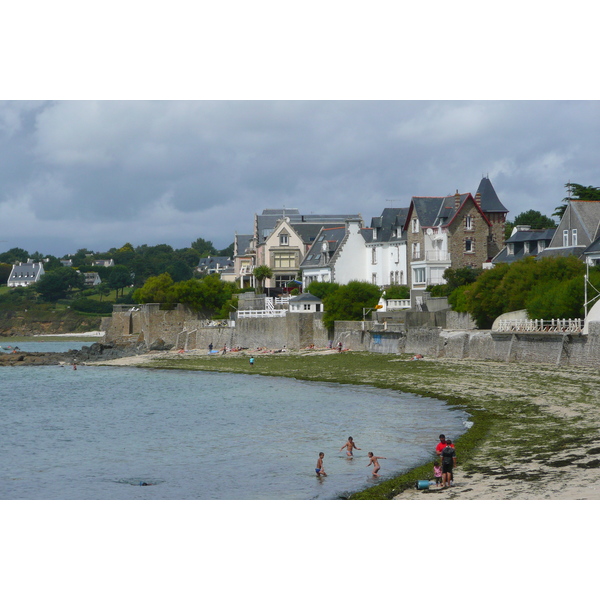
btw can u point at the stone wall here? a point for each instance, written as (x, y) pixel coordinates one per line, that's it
(181, 328)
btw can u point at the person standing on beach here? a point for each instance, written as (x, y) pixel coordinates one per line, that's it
(374, 460)
(437, 472)
(320, 469)
(210, 347)
(349, 445)
(448, 463)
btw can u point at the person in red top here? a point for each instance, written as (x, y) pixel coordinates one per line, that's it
(438, 451)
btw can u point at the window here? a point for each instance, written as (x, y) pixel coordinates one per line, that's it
(307, 307)
(373, 256)
(284, 260)
(565, 237)
(419, 275)
(526, 249)
(374, 278)
(574, 237)
(284, 239)
(469, 245)
(416, 250)
(415, 225)
(468, 222)
(391, 277)
(541, 245)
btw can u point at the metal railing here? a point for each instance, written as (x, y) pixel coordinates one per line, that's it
(541, 326)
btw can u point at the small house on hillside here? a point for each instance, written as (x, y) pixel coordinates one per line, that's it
(92, 278)
(104, 263)
(25, 274)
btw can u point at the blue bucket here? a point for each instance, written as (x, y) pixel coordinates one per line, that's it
(423, 484)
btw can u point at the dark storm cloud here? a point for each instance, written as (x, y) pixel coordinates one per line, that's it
(99, 174)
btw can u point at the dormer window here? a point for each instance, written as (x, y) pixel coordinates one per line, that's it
(526, 249)
(565, 237)
(574, 237)
(541, 245)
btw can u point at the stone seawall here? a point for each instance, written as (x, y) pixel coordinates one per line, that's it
(180, 328)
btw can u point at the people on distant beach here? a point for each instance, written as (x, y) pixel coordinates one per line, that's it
(349, 445)
(252, 360)
(374, 460)
(441, 445)
(437, 472)
(210, 348)
(320, 470)
(224, 351)
(339, 346)
(448, 463)
(417, 357)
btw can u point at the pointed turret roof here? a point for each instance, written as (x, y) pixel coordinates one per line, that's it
(489, 199)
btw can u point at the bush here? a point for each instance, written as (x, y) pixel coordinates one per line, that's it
(87, 305)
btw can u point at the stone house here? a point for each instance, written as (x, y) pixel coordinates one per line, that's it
(452, 232)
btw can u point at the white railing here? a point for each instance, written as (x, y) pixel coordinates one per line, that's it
(245, 314)
(541, 326)
(396, 304)
(437, 256)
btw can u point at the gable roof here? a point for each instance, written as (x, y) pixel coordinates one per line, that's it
(306, 297)
(242, 243)
(315, 255)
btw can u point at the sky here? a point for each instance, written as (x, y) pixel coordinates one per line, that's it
(97, 174)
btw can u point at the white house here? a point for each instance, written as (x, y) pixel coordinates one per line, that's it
(305, 303)
(25, 274)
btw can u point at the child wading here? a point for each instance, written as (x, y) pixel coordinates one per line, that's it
(320, 470)
(375, 463)
(349, 445)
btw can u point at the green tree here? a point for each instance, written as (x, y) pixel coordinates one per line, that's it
(5, 270)
(483, 301)
(576, 192)
(156, 289)
(533, 218)
(455, 278)
(204, 248)
(322, 289)
(348, 301)
(227, 251)
(119, 278)
(58, 283)
(261, 273)
(14, 255)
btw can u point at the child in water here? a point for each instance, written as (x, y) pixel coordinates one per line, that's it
(320, 470)
(349, 445)
(374, 461)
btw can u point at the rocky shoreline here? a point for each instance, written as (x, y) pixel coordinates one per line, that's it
(97, 351)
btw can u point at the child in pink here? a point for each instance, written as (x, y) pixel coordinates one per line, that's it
(437, 472)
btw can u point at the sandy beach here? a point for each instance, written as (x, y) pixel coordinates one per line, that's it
(542, 445)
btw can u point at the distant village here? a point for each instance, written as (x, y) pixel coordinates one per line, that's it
(410, 246)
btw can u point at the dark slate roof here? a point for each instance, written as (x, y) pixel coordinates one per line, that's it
(243, 243)
(434, 211)
(552, 252)
(267, 221)
(308, 232)
(489, 199)
(304, 298)
(212, 262)
(593, 247)
(532, 235)
(386, 224)
(24, 272)
(367, 234)
(315, 256)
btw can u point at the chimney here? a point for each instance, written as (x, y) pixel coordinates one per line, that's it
(457, 200)
(478, 199)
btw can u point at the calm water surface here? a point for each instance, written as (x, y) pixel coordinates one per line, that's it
(97, 432)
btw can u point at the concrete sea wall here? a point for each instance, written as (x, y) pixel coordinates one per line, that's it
(417, 333)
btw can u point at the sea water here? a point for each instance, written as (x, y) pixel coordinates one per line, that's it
(102, 432)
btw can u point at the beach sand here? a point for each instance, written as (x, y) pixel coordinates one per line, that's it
(544, 446)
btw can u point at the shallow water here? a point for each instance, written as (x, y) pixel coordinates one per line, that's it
(98, 432)
(6, 345)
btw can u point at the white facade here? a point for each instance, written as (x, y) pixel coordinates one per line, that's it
(386, 263)
(349, 262)
(430, 259)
